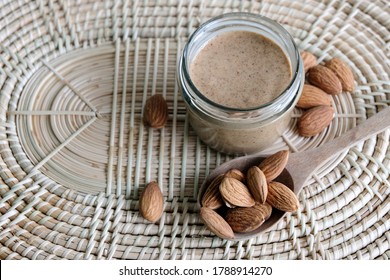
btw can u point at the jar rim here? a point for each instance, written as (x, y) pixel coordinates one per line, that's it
(243, 16)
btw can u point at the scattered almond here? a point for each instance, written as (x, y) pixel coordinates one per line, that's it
(313, 96)
(212, 197)
(309, 60)
(315, 120)
(156, 111)
(236, 193)
(257, 184)
(274, 164)
(281, 197)
(343, 72)
(216, 223)
(151, 202)
(244, 219)
(236, 174)
(324, 78)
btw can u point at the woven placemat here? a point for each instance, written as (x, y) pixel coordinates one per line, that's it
(74, 153)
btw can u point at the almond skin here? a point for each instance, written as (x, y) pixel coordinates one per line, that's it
(236, 193)
(243, 219)
(309, 60)
(281, 197)
(236, 174)
(313, 96)
(264, 209)
(156, 111)
(257, 184)
(325, 79)
(274, 164)
(212, 197)
(151, 202)
(216, 223)
(315, 120)
(343, 72)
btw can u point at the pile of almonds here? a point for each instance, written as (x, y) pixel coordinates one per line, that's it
(238, 202)
(323, 81)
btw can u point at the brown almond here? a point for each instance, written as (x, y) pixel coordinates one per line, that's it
(156, 111)
(309, 60)
(236, 193)
(151, 202)
(274, 164)
(343, 72)
(216, 223)
(281, 197)
(212, 197)
(315, 120)
(313, 96)
(324, 78)
(264, 209)
(236, 174)
(244, 219)
(257, 184)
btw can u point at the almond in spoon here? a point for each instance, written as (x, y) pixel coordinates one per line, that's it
(216, 223)
(273, 165)
(257, 184)
(281, 197)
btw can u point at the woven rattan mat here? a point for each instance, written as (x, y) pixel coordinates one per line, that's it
(74, 153)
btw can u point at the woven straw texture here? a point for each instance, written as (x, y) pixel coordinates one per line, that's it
(75, 155)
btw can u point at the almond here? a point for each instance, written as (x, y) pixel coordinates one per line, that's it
(212, 197)
(257, 184)
(281, 197)
(264, 209)
(324, 78)
(156, 111)
(309, 60)
(236, 193)
(343, 72)
(236, 174)
(244, 219)
(274, 164)
(313, 96)
(228, 205)
(151, 202)
(315, 120)
(216, 223)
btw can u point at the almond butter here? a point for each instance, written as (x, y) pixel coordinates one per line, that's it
(274, 164)
(264, 209)
(324, 78)
(212, 197)
(309, 60)
(244, 219)
(281, 197)
(216, 223)
(151, 202)
(257, 184)
(315, 120)
(313, 96)
(343, 72)
(236, 193)
(236, 174)
(156, 111)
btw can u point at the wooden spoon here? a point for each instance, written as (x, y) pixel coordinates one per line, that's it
(302, 165)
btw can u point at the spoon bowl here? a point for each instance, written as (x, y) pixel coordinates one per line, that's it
(301, 165)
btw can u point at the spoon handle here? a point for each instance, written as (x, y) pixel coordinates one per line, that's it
(313, 159)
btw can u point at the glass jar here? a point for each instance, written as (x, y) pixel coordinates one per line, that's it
(234, 130)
